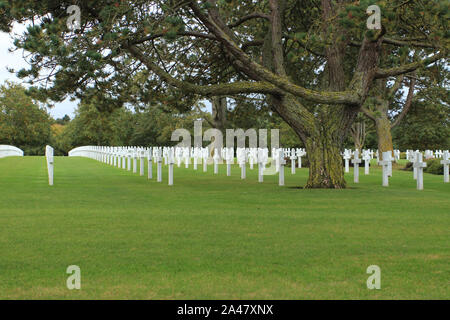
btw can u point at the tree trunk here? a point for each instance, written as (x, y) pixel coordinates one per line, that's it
(219, 113)
(325, 161)
(322, 135)
(383, 126)
(358, 132)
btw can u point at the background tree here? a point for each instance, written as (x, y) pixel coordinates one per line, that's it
(23, 123)
(314, 62)
(427, 125)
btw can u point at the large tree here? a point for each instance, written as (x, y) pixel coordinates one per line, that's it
(315, 61)
(23, 123)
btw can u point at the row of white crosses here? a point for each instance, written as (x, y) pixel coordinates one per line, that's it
(386, 163)
(127, 157)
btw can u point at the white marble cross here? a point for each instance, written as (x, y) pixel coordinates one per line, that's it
(366, 158)
(356, 161)
(261, 165)
(300, 153)
(446, 162)
(171, 161)
(281, 163)
(242, 161)
(412, 158)
(195, 153)
(419, 164)
(293, 157)
(129, 160)
(159, 166)
(134, 154)
(230, 159)
(124, 156)
(187, 158)
(216, 160)
(347, 157)
(50, 162)
(205, 156)
(141, 162)
(150, 163)
(387, 160)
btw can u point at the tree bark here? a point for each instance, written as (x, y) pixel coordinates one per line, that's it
(322, 135)
(325, 161)
(219, 113)
(358, 132)
(383, 126)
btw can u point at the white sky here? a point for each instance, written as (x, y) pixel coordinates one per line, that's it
(14, 60)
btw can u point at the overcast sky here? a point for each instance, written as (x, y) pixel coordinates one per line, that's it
(14, 60)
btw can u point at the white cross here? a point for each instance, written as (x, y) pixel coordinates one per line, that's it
(171, 160)
(419, 164)
(366, 157)
(50, 161)
(347, 157)
(149, 162)
(293, 157)
(281, 163)
(446, 162)
(385, 163)
(356, 161)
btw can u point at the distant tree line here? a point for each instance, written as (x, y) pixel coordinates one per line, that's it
(28, 126)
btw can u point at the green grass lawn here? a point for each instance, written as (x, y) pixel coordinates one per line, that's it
(217, 237)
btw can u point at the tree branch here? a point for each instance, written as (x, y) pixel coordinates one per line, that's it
(368, 113)
(392, 72)
(184, 33)
(341, 97)
(396, 86)
(209, 90)
(277, 46)
(248, 17)
(407, 105)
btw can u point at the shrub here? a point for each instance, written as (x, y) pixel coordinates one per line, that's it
(408, 167)
(434, 166)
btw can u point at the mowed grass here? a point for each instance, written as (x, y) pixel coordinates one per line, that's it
(217, 237)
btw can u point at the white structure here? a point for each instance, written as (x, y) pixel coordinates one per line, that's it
(445, 162)
(281, 163)
(356, 161)
(216, 161)
(10, 151)
(347, 157)
(293, 158)
(159, 166)
(50, 161)
(171, 161)
(366, 157)
(150, 163)
(387, 160)
(419, 164)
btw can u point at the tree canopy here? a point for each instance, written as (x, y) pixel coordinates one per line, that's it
(314, 61)
(23, 123)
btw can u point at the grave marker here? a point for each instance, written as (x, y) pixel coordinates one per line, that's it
(419, 164)
(281, 163)
(385, 164)
(356, 161)
(446, 162)
(50, 161)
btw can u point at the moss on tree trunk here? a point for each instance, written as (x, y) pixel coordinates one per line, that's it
(325, 161)
(383, 126)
